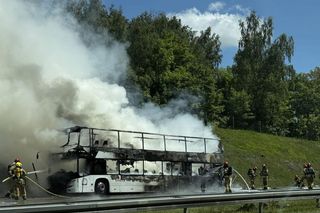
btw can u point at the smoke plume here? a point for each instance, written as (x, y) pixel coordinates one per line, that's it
(51, 79)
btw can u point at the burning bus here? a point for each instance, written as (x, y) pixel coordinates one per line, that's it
(118, 161)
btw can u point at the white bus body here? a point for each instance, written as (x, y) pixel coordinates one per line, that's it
(89, 184)
(174, 156)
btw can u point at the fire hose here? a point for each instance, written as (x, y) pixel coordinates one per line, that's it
(38, 185)
(41, 187)
(242, 179)
(245, 182)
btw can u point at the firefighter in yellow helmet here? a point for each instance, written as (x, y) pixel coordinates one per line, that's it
(227, 175)
(11, 168)
(18, 177)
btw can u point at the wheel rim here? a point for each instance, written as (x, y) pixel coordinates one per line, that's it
(101, 187)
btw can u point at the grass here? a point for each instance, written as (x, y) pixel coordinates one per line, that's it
(273, 207)
(284, 158)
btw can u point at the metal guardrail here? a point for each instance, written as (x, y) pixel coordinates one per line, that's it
(163, 202)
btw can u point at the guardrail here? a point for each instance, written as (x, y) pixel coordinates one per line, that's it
(162, 202)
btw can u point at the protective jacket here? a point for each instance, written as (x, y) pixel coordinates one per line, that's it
(264, 172)
(227, 171)
(19, 173)
(251, 173)
(309, 172)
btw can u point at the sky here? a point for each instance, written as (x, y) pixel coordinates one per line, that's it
(295, 18)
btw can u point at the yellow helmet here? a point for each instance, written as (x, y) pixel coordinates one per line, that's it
(18, 164)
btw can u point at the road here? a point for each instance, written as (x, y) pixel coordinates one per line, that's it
(148, 201)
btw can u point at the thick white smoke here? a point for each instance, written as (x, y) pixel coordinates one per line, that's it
(50, 80)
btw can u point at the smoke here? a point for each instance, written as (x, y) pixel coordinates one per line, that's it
(51, 79)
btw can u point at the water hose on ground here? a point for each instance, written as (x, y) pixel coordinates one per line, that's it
(51, 193)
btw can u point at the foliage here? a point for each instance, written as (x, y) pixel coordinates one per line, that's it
(238, 108)
(305, 100)
(261, 72)
(169, 60)
(93, 15)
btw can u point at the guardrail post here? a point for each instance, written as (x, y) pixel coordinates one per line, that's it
(260, 207)
(185, 210)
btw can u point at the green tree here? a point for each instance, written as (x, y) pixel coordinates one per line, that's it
(260, 70)
(168, 59)
(304, 101)
(238, 109)
(207, 47)
(93, 15)
(160, 56)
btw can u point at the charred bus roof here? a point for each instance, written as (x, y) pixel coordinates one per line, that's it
(108, 144)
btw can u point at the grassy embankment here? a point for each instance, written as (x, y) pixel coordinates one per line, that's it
(284, 157)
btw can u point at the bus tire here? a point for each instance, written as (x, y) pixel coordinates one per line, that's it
(101, 187)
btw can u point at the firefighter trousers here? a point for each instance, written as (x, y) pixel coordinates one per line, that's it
(20, 189)
(227, 183)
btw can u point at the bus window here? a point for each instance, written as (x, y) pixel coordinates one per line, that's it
(73, 138)
(128, 167)
(112, 167)
(99, 167)
(84, 137)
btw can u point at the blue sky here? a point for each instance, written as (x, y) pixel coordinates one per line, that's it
(296, 18)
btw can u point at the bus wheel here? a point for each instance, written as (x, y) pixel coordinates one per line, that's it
(101, 187)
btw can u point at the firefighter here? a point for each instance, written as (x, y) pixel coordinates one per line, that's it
(227, 173)
(203, 184)
(11, 168)
(202, 171)
(309, 175)
(18, 177)
(264, 173)
(252, 173)
(304, 174)
(298, 181)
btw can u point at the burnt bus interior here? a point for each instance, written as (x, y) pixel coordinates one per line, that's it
(142, 155)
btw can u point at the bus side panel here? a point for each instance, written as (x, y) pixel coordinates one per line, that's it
(75, 186)
(132, 186)
(114, 186)
(87, 184)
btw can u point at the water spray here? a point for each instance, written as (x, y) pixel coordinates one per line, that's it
(242, 179)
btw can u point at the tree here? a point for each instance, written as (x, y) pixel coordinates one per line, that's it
(207, 47)
(169, 59)
(93, 15)
(304, 101)
(159, 56)
(238, 109)
(261, 72)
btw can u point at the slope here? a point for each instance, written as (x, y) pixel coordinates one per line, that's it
(284, 156)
